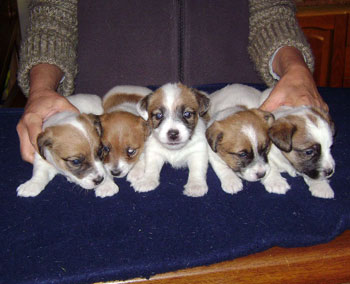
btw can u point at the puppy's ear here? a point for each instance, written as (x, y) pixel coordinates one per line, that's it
(96, 122)
(142, 106)
(214, 136)
(44, 141)
(281, 134)
(266, 116)
(203, 101)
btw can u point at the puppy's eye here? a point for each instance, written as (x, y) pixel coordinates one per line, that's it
(187, 114)
(103, 151)
(309, 152)
(242, 154)
(158, 115)
(131, 152)
(75, 162)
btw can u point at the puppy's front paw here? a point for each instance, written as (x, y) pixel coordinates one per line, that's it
(196, 189)
(276, 184)
(231, 184)
(135, 174)
(321, 189)
(30, 189)
(108, 188)
(145, 184)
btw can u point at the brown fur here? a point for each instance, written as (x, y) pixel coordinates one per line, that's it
(123, 130)
(225, 137)
(118, 99)
(67, 143)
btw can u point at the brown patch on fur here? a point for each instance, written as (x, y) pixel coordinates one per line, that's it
(67, 143)
(118, 99)
(123, 130)
(326, 116)
(227, 139)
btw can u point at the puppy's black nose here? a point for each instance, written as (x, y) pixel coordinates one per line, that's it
(328, 172)
(260, 175)
(98, 180)
(173, 134)
(115, 173)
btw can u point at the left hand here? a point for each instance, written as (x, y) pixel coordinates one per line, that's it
(296, 86)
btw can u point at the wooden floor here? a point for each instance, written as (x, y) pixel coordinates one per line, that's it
(326, 263)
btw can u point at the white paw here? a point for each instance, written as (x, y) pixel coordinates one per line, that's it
(196, 189)
(144, 184)
(321, 189)
(108, 188)
(30, 189)
(278, 185)
(135, 174)
(231, 184)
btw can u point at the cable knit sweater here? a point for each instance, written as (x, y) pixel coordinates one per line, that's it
(52, 37)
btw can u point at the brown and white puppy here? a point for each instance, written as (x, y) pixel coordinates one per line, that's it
(124, 131)
(174, 113)
(238, 136)
(69, 146)
(302, 139)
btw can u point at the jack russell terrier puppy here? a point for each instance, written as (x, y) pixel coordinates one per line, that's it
(302, 138)
(175, 114)
(69, 145)
(124, 131)
(237, 134)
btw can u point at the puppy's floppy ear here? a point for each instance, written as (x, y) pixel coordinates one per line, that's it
(203, 101)
(214, 136)
(281, 134)
(266, 116)
(142, 106)
(44, 140)
(96, 122)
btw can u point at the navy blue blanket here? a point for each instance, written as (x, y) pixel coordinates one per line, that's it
(67, 235)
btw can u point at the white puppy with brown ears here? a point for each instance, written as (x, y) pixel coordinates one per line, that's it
(69, 145)
(124, 131)
(174, 113)
(302, 138)
(238, 136)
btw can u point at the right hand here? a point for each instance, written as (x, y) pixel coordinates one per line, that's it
(41, 104)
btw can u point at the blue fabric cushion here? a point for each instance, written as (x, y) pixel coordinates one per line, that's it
(67, 235)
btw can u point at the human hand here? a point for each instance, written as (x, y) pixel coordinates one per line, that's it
(296, 85)
(41, 104)
(295, 88)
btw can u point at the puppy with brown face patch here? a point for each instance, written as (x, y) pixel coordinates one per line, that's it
(175, 115)
(238, 136)
(69, 145)
(124, 131)
(302, 139)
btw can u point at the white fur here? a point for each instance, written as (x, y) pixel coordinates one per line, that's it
(321, 134)
(191, 152)
(225, 102)
(45, 170)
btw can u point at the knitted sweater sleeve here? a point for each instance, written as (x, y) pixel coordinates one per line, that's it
(272, 25)
(52, 37)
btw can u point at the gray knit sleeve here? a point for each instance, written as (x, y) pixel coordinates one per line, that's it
(272, 25)
(52, 38)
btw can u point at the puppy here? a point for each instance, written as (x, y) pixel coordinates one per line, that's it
(69, 145)
(302, 138)
(175, 115)
(124, 131)
(237, 134)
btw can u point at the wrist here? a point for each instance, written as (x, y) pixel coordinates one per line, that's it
(44, 77)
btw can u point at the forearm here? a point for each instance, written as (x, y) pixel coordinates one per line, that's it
(272, 25)
(44, 77)
(51, 37)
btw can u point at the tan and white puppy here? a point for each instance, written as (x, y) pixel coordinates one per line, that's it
(124, 131)
(302, 138)
(238, 136)
(174, 113)
(69, 145)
